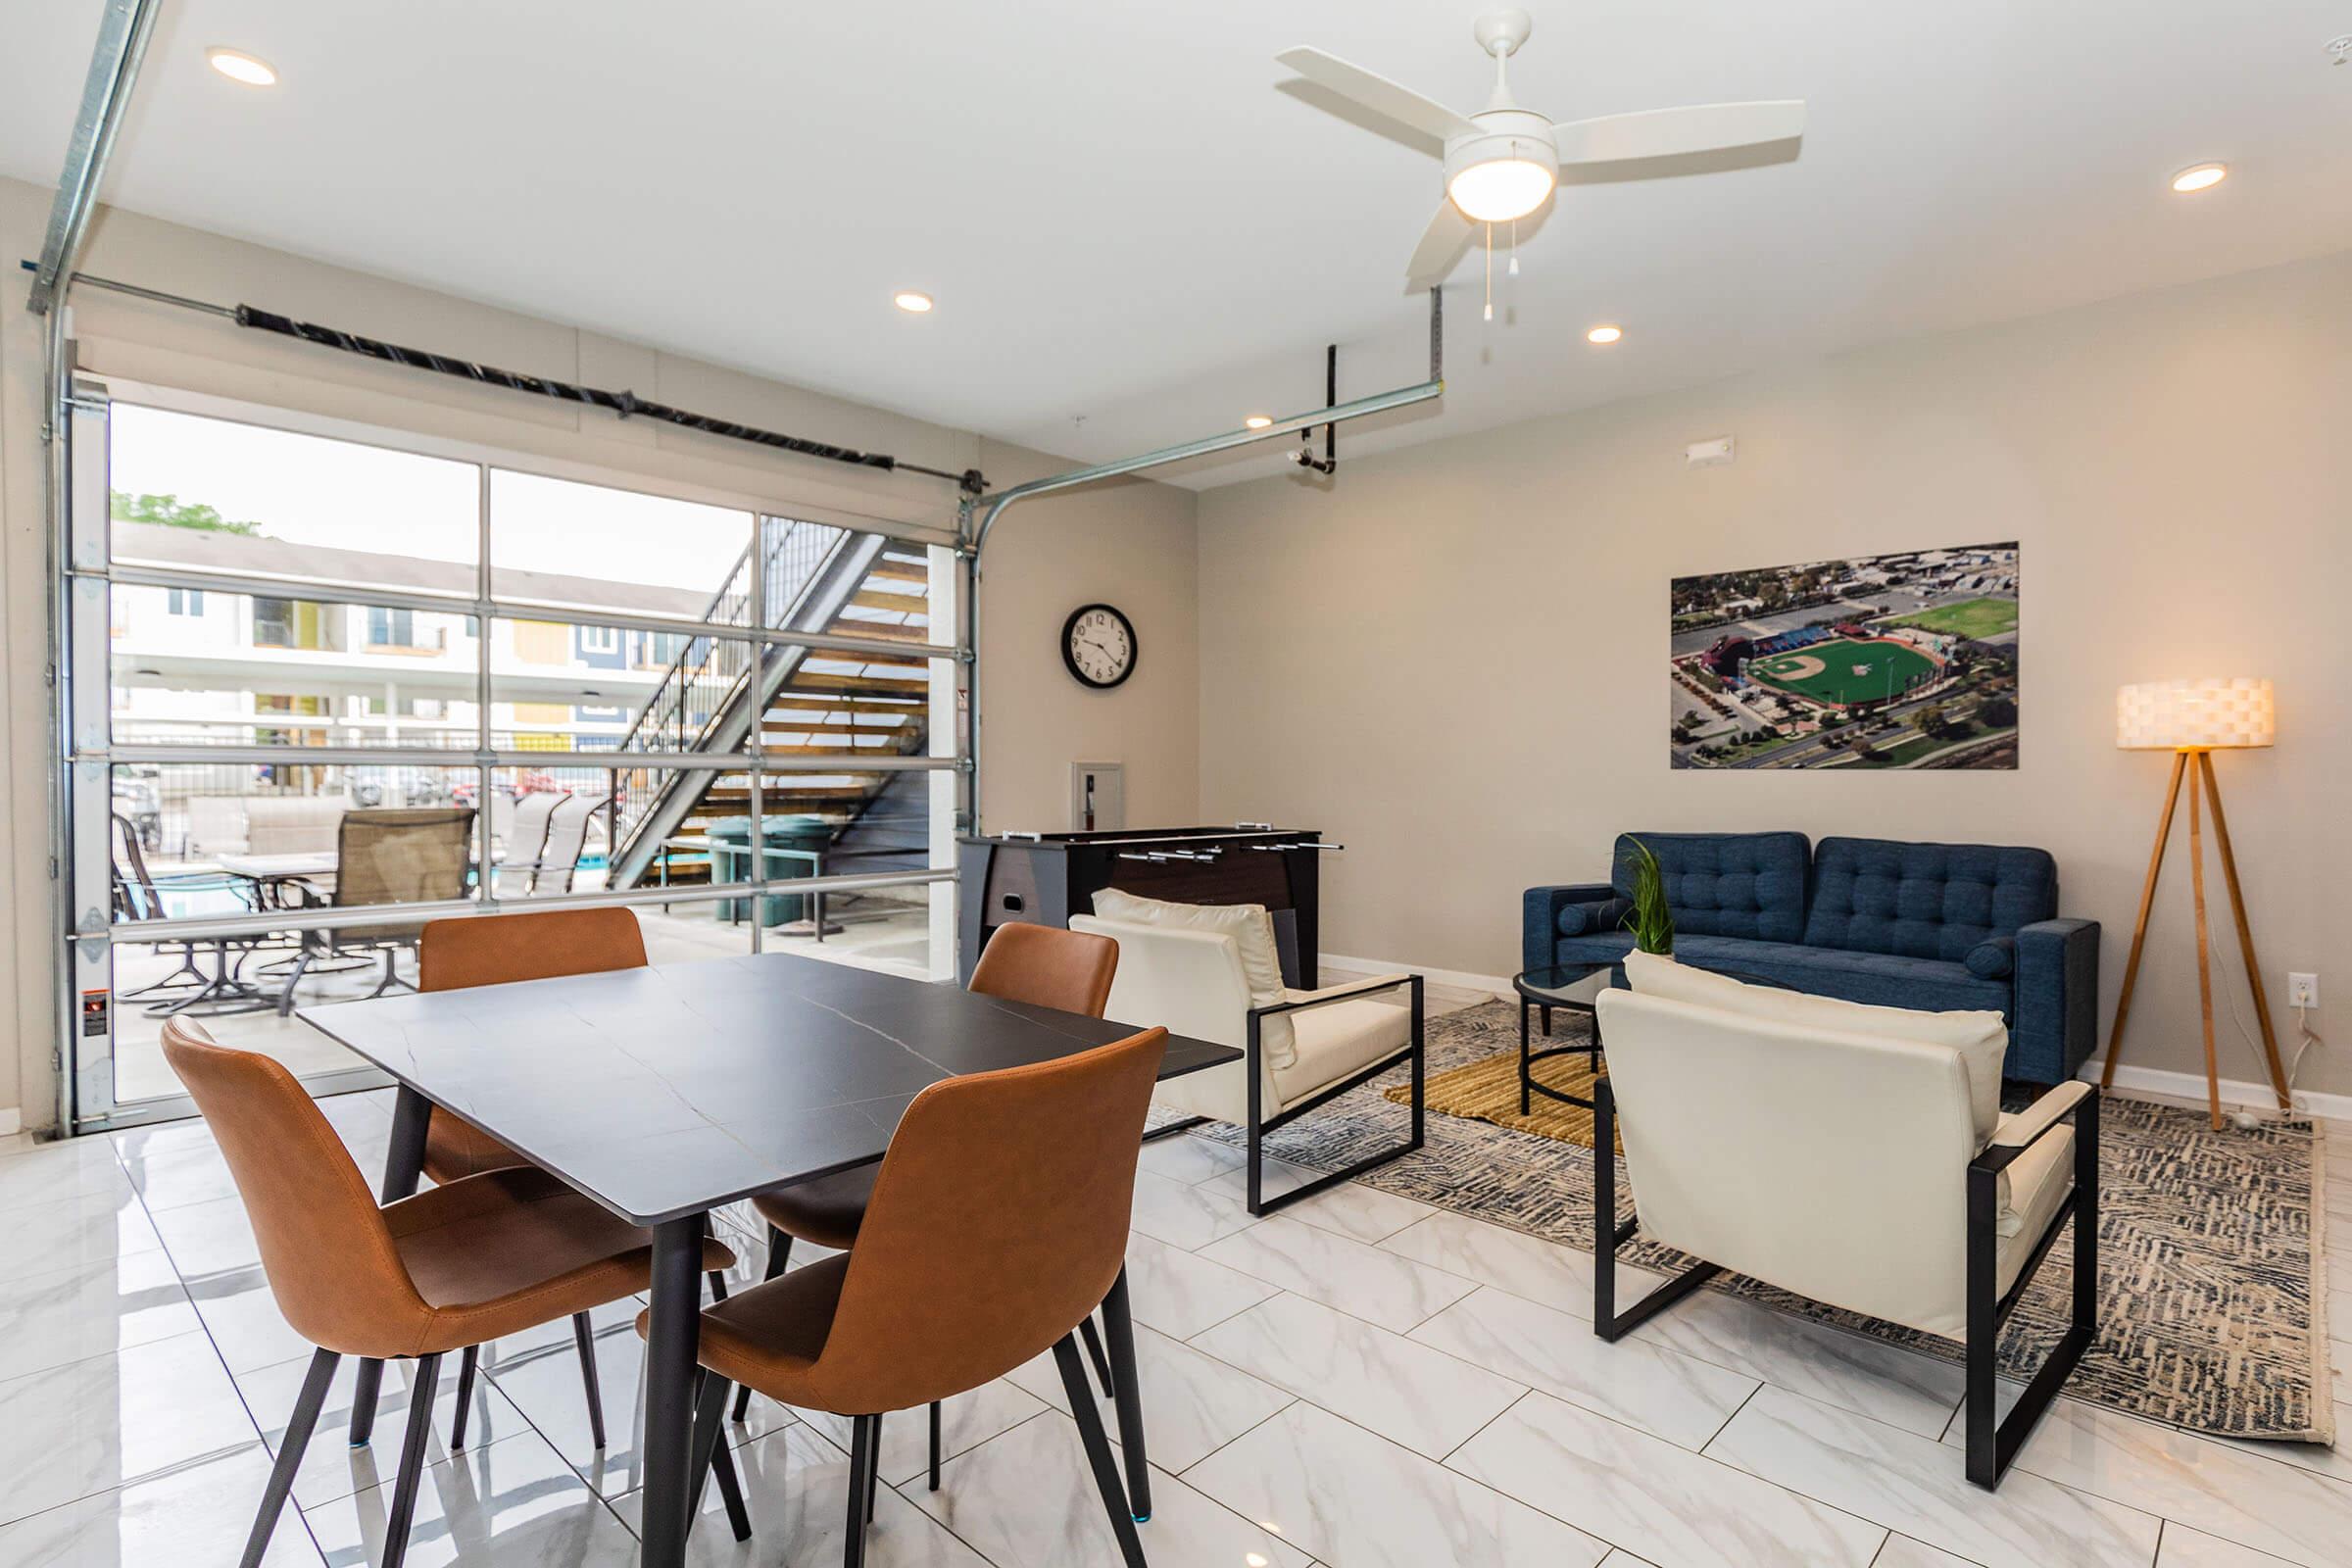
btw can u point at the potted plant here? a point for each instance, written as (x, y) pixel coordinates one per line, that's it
(1650, 921)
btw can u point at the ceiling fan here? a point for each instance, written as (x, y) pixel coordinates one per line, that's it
(1503, 162)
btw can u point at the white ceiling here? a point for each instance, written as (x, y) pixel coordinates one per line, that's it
(1125, 217)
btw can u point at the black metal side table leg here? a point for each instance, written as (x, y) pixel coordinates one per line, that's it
(1118, 1330)
(404, 1164)
(1526, 1076)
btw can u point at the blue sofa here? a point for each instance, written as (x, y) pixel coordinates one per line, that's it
(1937, 927)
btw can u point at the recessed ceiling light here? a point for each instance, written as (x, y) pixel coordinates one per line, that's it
(1604, 334)
(1258, 421)
(239, 65)
(2200, 177)
(913, 301)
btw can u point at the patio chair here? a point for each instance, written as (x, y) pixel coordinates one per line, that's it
(391, 854)
(525, 837)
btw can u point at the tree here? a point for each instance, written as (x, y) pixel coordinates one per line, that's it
(1997, 712)
(173, 513)
(1929, 721)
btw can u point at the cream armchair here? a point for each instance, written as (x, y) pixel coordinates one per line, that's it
(1854, 1154)
(1299, 1051)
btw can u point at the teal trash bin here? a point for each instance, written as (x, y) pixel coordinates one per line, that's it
(731, 854)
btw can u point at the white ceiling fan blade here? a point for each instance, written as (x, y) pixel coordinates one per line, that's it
(1377, 93)
(1441, 245)
(1676, 132)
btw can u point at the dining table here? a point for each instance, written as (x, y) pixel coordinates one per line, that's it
(665, 1092)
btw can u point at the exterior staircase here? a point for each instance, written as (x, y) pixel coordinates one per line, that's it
(807, 702)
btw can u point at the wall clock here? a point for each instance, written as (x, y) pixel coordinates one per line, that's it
(1098, 645)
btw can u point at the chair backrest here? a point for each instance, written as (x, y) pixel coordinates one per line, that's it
(1749, 885)
(135, 895)
(526, 830)
(1048, 966)
(999, 1221)
(403, 855)
(289, 824)
(328, 1254)
(1829, 1164)
(566, 834)
(491, 949)
(1925, 901)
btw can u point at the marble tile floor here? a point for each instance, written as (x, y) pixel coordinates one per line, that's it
(1361, 1383)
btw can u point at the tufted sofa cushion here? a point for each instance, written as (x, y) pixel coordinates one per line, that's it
(1925, 901)
(1749, 885)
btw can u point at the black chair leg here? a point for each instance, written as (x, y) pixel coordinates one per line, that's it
(1094, 1353)
(466, 1370)
(873, 1469)
(412, 1461)
(1098, 1452)
(586, 1341)
(779, 1251)
(290, 1448)
(714, 1459)
(934, 1445)
(718, 1286)
(862, 1434)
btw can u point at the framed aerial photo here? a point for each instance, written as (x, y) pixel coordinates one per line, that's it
(1870, 664)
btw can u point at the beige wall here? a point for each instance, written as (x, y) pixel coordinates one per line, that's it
(1131, 544)
(1451, 659)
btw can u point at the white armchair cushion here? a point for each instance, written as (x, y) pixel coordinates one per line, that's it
(1337, 1039)
(1253, 932)
(1980, 1038)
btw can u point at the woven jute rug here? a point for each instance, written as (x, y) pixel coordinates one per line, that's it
(2213, 1295)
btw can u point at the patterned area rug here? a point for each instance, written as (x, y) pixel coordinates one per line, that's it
(2213, 1300)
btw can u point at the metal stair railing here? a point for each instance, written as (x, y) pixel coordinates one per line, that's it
(713, 701)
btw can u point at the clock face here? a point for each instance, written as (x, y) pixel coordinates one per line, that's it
(1098, 644)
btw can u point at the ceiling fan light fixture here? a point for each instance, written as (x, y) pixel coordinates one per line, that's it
(1604, 334)
(2200, 177)
(239, 65)
(1501, 189)
(913, 301)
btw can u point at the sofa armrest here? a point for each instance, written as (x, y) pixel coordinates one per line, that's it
(2054, 1021)
(1539, 918)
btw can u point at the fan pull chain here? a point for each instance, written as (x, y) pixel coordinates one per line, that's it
(1489, 272)
(1514, 266)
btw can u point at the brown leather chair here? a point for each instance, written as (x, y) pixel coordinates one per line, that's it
(999, 1223)
(490, 950)
(1043, 965)
(477, 1258)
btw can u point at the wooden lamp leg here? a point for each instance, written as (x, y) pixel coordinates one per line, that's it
(2196, 880)
(2245, 933)
(2139, 927)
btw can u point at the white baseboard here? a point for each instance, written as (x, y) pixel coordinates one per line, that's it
(2235, 1092)
(2184, 1086)
(1498, 985)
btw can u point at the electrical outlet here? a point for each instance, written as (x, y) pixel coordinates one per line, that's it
(2302, 990)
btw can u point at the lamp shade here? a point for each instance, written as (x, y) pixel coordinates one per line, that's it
(2171, 716)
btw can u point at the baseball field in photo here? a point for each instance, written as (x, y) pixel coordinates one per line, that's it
(1844, 671)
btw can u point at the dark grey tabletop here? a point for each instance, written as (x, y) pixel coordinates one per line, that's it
(663, 1092)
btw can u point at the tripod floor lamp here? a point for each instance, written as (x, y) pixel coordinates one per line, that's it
(2192, 719)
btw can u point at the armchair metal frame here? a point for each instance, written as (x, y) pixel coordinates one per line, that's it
(1260, 1124)
(1991, 1444)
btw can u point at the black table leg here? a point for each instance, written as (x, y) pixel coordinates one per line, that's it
(1118, 1330)
(412, 1113)
(671, 1342)
(1523, 1061)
